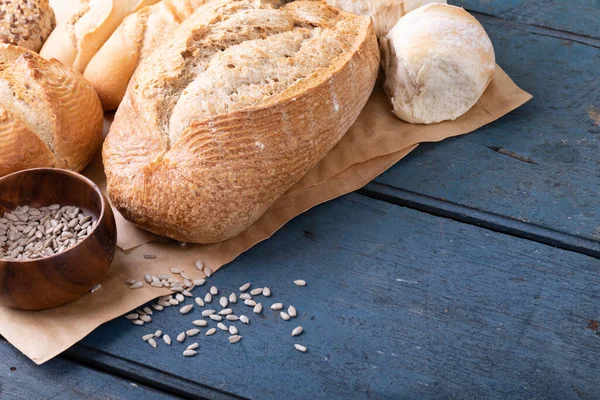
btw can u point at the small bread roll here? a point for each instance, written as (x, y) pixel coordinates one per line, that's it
(385, 13)
(438, 61)
(26, 23)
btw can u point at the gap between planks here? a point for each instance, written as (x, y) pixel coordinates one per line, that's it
(482, 219)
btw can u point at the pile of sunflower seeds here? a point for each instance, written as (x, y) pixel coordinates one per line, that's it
(220, 314)
(29, 233)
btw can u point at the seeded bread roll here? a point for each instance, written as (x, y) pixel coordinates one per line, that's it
(26, 23)
(111, 68)
(232, 109)
(385, 13)
(75, 41)
(49, 115)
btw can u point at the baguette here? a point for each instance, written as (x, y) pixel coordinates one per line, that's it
(75, 41)
(111, 68)
(239, 103)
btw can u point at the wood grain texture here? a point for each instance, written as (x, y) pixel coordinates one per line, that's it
(62, 379)
(538, 164)
(53, 281)
(576, 16)
(399, 304)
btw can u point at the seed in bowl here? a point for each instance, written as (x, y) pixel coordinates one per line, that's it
(28, 233)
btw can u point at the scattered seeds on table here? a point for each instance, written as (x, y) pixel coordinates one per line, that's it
(292, 312)
(245, 287)
(233, 330)
(249, 302)
(257, 291)
(136, 285)
(199, 302)
(158, 333)
(214, 290)
(96, 288)
(208, 298)
(223, 301)
(132, 316)
(266, 292)
(207, 271)
(297, 330)
(186, 309)
(147, 337)
(192, 332)
(200, 322)
(179, 297)
(193, 346)
(300, 282)
(137, 322)
(284, 316)
(187, 293)
(211, 331)
(152, 343)
(215, 317)
(244, 319)
(234, 338)
(158, 307)
(231, 317)
(181, 337)
(245, 296)
(199, 282)
(146, 318)
(149, 256)
(190, 353)
(206, 313)
(258, 308)
(167, 339)
(277, 306)
(232, 298)
(199, 265)
(300, 348)
(225, 311)
(174, 302)
(222, 327)
(175, 271)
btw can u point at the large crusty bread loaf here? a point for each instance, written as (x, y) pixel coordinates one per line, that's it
(438, 61)
(233, 109)
(385, 13)
(111, 68)
(49, 115)
(90, 23)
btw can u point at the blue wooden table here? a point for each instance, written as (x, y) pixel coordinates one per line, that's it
(469, 270)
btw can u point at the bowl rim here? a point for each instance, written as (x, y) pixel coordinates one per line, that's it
(75, 175)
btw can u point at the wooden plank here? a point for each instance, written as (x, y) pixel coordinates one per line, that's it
(575, 16)
(538, 164)
(399, 304)
(62, 379)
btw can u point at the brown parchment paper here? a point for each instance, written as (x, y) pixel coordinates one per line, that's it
(374, 143)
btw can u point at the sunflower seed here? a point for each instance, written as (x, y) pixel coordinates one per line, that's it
(284, 316)
(130, 281)
(132, 316)
(258, 308)
(245, 296)
(177, 288)
(146, 318)
(245, 287)
(300, 348)
(231, 317)
(200, 322)
(149, 256)
(158, 333)
(156, 284)
(164, 276)
(266, 292)
(193, 346)
(165, 283)
(164, 303)
(179, 297)
(199, 265)
(147, 337)
(181, 337)
(187, 283)
(199, 302)
(153, 343)
(138, 322)
(222, 327)
(175, 271)
(136, 285)
(192, 332)
(297, 330)
(186, 309)
(207, 271)
(300, 282)
(232, 298)
(223, 301)
(257, 291)
(214, 290)
(234, 338)
(148, 278)
(211, 331)
(172, 280)
(96, 288)
(292, 311)
(206, 313)
(148, 310)
(244, 319)
(215, 317)
(158, 307)
(187, 293)
(190, 353)
(226, 311)
(208, 298)
(167, 339)
(277, 306)
(250, 303)
(233, 330)
(166, 298)
(199, 282)
(174, 302)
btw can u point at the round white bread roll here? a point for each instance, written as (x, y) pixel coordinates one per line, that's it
(438, 61)
(26, 23)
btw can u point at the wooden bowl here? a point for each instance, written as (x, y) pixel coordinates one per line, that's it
(56, 280)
